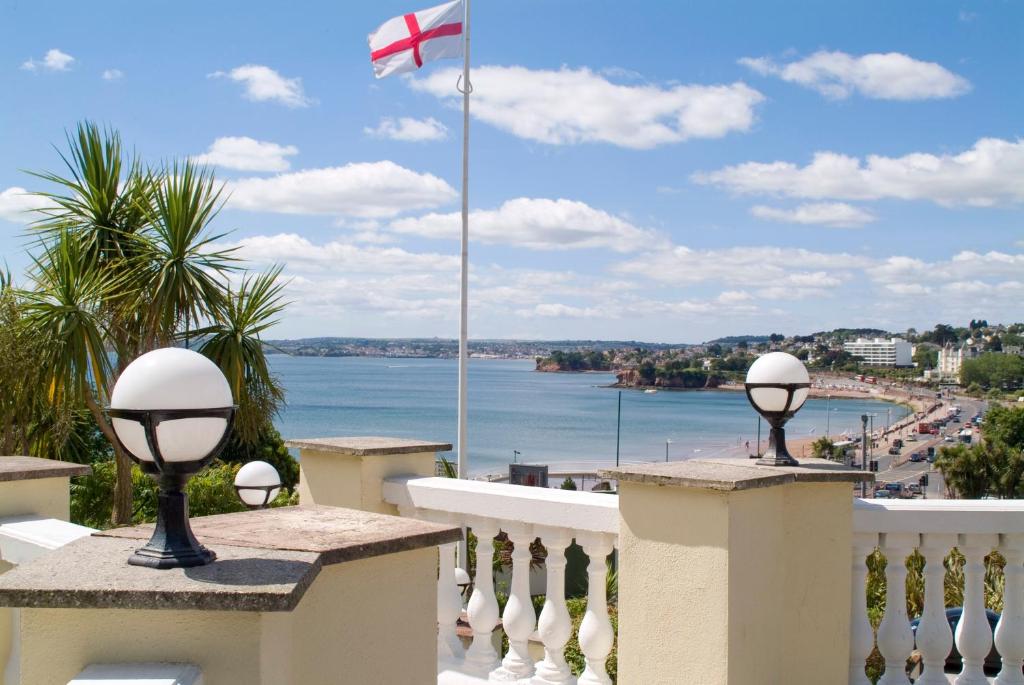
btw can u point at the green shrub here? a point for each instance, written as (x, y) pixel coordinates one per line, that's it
(211, 491)
(269, 448)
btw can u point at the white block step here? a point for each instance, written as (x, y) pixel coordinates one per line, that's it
(139, 674)
(23, 538)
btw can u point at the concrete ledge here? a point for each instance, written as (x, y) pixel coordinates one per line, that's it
(32, 468)
(728, 475)
(364, 446)
(266, 560)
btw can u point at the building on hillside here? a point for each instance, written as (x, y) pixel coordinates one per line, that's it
(952, 357)
(1014, 349)
(881, 352)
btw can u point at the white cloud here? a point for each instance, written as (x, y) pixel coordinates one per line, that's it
(263, 84)
(247, 154)
(303, 256)
(888, 76)
(963, 266)
(19, 205)
(838, 214)
(112, 74)
(54, 60)
(364, 190)
(790, 269)
(572, 106)
(409, 129)
(991, 172)
(564, 311)
(536, 223)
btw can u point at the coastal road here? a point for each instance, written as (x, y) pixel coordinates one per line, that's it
(899, 468)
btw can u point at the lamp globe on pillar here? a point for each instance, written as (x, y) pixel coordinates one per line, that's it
(777, 386)
(171, 410)
(257, 484)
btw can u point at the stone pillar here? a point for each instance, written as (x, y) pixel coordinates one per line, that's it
(350, 472)
(36, 487)
(734, 573)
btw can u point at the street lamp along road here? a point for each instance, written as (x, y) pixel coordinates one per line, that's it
(777, 385)
(171, 411)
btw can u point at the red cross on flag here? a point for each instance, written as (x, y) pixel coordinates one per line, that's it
(405, 43)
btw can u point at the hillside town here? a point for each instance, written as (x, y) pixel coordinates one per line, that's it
(978, 357)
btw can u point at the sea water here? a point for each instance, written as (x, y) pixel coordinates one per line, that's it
(566, 420)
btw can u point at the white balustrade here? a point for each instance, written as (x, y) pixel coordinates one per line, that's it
(525, 514)
(934, 528)
(1009, 637)
(482, 611)
(554, 624)
(973, 633)
(596, 635)
(934, 638)
(895, 640)
(862, 639)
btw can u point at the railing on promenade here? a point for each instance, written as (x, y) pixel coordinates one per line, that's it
(976, 528)
(556, 518)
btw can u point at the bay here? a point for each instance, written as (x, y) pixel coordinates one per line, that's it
(565, 420)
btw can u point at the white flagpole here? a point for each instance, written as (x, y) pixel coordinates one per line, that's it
(463, 455)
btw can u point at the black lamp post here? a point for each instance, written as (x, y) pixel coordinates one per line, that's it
(171, 411)
(777, 385)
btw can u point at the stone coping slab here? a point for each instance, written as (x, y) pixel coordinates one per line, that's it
(266, 560)
(735, 474)
(33, 468)
(363, 446)
(336, 534)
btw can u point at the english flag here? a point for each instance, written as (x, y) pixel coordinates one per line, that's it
(405, 43)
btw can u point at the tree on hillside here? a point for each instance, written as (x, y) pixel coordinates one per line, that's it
(993, 370)
(926, 358)
(125, 263)
(1005, 425)
(824, 448)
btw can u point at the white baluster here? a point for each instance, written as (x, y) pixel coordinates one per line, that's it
(554, 626)
(481, 658)
(596, 635)
(973, 633)
(934, 638)
(519, 618)
(895, 640)
(449, 606)
(1010, 629)
(862, 638)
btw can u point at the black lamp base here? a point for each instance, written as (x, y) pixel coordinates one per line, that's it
(777, 454)
(173, 545)
(151, 557)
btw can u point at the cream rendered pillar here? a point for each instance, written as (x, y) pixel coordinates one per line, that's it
(733, 573)
(350, 471)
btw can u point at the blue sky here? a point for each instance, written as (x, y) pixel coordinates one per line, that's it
(661, 171)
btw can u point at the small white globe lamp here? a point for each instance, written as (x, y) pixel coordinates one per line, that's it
(257, 484)
(777, 386)
(171, 410)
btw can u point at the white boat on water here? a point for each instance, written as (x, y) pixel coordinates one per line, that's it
(650, 391)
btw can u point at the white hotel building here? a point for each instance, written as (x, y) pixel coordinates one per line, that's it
(881, 352)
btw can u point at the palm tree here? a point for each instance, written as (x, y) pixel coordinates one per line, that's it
(128, 264)
(233, 342)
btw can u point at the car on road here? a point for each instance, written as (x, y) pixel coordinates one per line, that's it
(949, 438)
(894, 450)
(911, 438)
(916, 457)
(882, 494)
(914, 488)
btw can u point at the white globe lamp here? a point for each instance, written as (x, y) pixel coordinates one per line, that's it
(777, 385)
(257, 484)
(171, 411)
